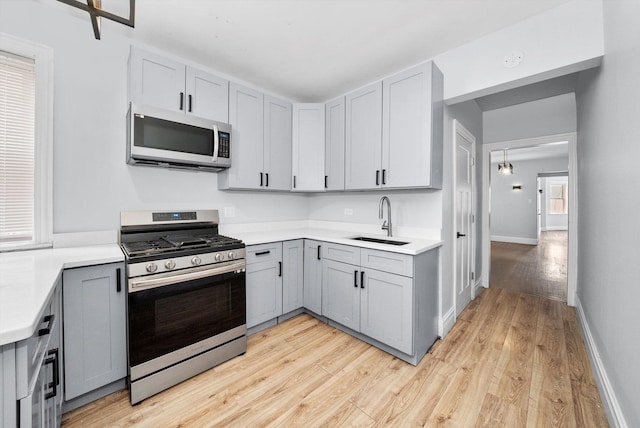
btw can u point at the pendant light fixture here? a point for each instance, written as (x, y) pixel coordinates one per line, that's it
(505, 168)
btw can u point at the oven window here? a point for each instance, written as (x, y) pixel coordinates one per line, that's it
(161, 134)
(165, 319)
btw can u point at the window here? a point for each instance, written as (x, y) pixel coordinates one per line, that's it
(557, 198)
(25, 144)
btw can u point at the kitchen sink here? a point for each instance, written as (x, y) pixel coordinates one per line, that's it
(378, 240)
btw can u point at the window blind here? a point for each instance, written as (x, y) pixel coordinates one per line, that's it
(17, 121)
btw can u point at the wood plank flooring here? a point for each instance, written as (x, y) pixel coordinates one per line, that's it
(511, 360)
(533, 269)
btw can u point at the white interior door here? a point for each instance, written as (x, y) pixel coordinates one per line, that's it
(464, 232)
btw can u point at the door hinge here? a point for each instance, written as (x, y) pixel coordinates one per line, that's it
(473, 218)
(473, 161)
(473, 275)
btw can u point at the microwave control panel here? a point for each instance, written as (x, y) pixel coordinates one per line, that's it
(224, 147)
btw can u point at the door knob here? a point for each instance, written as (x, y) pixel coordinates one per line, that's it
(460, 235)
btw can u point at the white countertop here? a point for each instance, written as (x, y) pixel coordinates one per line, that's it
(27, 279)
(413, 247)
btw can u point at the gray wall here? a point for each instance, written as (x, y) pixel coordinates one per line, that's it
(548, 116)
(608, 103)
(514, 212)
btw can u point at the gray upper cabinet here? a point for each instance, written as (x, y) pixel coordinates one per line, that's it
(308, 147)
(313, 276)
(412, 128)
(363, 138)
(292, 275)
(277, 144)
(264, 283)
(161, 82)
(261, 141)
(94, 327)
(334, 144)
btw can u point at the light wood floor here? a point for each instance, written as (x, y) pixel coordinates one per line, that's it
(533, 269)
(511, 360)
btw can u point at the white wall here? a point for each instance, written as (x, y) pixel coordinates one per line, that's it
(548, 116)
(608, 270)
(514, 212)
(562, 40)
(92, 183)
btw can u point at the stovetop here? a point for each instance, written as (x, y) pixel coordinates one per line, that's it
(175, 244)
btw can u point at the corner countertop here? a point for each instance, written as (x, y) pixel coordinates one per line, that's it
(413, 247)
(28, 278)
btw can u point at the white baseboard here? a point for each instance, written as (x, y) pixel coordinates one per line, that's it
(545, 229)
(514, 240)
(446, 322)
(612, 407)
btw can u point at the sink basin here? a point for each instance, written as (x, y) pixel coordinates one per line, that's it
(378, 240)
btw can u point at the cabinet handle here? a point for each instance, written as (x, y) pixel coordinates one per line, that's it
(384, 176)
(279, 268)
(294, 181)
(319, 246)
(118, 281)
(362, 279)
(54, 392)
(261, 180)
(190, 103)
(377, 177)
(355, 278)
(267, 181)
(56, 365)
(326, 178)
(181, 100)
(263, 253)
(49, 320)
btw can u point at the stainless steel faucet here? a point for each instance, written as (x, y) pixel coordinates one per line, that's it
(386, 225)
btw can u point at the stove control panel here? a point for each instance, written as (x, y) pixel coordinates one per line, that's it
(176, 263)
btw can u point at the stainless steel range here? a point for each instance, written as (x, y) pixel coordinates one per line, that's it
(186, 303)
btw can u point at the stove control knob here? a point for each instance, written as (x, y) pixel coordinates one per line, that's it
(196, 261)
(219, 257)
(152, 267)
(231, 255)
(170, 264)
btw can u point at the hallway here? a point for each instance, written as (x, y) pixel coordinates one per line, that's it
(540, 270)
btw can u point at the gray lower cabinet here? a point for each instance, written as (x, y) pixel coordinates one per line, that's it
(31, 373)
(264, 282)
(94, 301)
(313, 276)
(292, 275)
(341, 293)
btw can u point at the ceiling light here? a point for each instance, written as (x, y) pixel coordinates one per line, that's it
(94, 8)
(505, 168)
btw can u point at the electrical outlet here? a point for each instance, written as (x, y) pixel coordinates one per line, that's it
(348, 211)
(229, 211)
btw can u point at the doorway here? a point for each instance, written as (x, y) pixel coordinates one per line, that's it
(571, 237)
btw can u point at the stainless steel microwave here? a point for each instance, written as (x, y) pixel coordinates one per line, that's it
(158, 137)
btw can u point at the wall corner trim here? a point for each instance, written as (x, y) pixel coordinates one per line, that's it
(612, 407)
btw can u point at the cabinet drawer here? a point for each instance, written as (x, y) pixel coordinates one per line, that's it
(400, 264)
(264, 252)
(341, 253)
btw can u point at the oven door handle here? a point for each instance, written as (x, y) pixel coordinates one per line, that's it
(144, 284)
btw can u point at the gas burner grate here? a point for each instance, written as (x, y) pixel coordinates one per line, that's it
(147, 247)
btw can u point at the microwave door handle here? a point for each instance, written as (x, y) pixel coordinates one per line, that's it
(216, 142)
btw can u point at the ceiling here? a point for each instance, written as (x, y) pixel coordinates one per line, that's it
(542, 151)
(312, 50)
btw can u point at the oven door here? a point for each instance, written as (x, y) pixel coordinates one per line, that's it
(173, 317)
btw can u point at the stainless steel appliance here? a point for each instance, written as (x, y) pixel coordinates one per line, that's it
(186, 305)
(158, 137)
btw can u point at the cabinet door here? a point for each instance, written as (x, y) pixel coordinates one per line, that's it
(334, 145)
(313, 276)
(308, 147)
(277, 144)
(363, 138)
(292, 275)
(156, 81)
(341, 293)
(207, 95)
(94, 327)
(264, 292)
(406, 126)
(387, 309)
(246, 118)
(32, 407)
